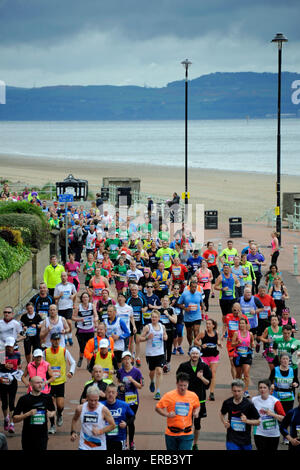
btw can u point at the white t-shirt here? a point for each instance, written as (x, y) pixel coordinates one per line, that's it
(135, 275)
(268, 425)
(125, 313)
(11, 328)
(68, 289)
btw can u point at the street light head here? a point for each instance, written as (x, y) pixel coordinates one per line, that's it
(186, 63)
(279, 38)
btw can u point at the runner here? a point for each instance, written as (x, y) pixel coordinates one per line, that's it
(249, 274)
(72, 268)
(10, 373)
(152, 301)
(97, 284)
(211, 255)
(89, 269)
(275, 247)
(119, 274)
(252, 307)
(228, 254)
(93, 417)
(125, 312)
(10, 327)
(42, 301)
(226, 283)
(52, 274)
(267, 434)
(205, 277)
(166, 255)
(257, 260)
(33, 409)
(106, 359)
(264, 317)
(239, 271)
(97, 379)
(194, 263)
(208, 341)
(38, 367)
(92, 346)
(102, 305)
(116, 328)
(123, 415)
(271, 333)
(90, 240)
(179, 327)
(178, 274)
(163, 277)
(58, 357)
(241, 415)
(31, 323)
(230, 326)
(138, 304)
(287, 345)
(131, 381)
(64, 296)
(191, 303)
(179, 406)
(53, 324)
(243, 342)
(292, 421)
(287, 320)
(155, 335)
(200, 378)
(168, 318)
(280, 294)
(86, 319)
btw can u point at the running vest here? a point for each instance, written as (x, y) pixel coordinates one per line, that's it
(115, 329)
(211, 343)
(249, 269)
(56, 328)
(283, 385)
(155, 346)
(90, 241)
(227, 282)
(106, 364)
(203, 279)
(41, 371)
(98, 287)
(57, 363)
(246, 308)
(89, 419)
(243, 348)
(87, 325)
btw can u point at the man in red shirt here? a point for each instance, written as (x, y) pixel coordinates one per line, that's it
(211, 256)
(264, 317)
(178, 273)
(230, 325)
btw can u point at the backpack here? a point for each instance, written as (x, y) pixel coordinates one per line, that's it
(77, 237)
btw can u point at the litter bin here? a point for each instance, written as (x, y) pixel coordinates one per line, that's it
(124, 197)
(104, 194)
(211, 220)
(235, 227)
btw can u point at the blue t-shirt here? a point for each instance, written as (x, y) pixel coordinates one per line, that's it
(195, 263)
(120, 411)
(193, 300)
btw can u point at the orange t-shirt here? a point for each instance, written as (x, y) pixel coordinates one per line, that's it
(183, 406)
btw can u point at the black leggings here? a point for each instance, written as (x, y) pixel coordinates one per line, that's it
(8, 395)
(206, 298)
(268, 444)
(274, 257)
(131, 426)
(168, 346)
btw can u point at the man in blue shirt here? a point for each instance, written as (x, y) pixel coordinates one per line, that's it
(292, 421)
(122, 414)
(191, 303)
(257, 260)
(194, 263)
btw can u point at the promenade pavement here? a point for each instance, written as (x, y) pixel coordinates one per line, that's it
(149, 425)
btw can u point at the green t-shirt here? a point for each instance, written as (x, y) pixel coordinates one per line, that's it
(165, 255)
(121, 272)
(288, 347)
(229, 255)
(164, 236)
(113, 245)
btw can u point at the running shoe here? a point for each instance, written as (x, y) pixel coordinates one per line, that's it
(70, 341)
(257, 347)
(212, 295)
(79, 363)
(152, 387)
(52, 430)
(165, 369)
(157, 396)
(174, 351)
(138, 362)
(180, 350)
(59, 420)
(132, 446)
(6, 423)
(211, 397)
(11, 428)
(246, 394)
(195, 447)
(285, 442)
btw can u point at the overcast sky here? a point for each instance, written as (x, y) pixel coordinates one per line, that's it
(141, 42)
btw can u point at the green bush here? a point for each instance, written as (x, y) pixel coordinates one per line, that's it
(22, 207)
(12, 258)
(35, 233)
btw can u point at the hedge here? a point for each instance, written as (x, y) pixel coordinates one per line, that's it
(35, 233)
(12, 258)
(23, 207)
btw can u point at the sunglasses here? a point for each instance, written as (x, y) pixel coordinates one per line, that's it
(6, 311)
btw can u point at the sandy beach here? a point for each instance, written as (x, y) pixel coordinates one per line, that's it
(232, 194)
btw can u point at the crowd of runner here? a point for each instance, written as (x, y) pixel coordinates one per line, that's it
(120, 283)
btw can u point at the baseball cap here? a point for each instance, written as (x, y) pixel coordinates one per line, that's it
(126, 353)
(55, 336)
(10, 341)
(37, 353)
(104, 343)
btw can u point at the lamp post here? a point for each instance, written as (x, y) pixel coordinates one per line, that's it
(279, 38)
(186, 63)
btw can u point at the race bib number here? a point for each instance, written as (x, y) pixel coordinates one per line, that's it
(39, 418)
(131, 398)
(238, 425)
(56, 371)
(182, 409)
(31, 331)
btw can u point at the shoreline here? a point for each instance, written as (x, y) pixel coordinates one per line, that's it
(231, 193)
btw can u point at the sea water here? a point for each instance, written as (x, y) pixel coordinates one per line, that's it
(236, 145)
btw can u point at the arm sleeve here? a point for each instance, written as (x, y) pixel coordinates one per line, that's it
(71, 361)
(284, 425)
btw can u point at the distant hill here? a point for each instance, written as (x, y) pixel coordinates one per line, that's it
(214, 96)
